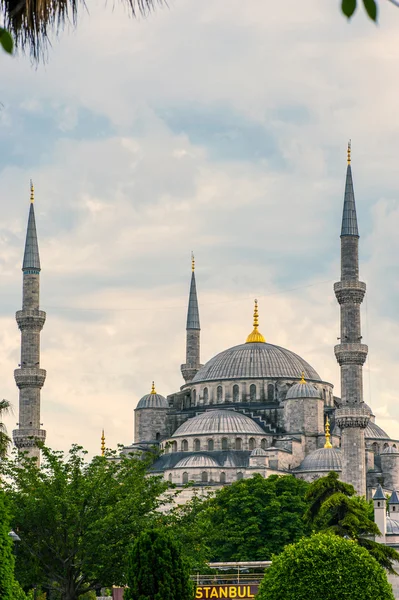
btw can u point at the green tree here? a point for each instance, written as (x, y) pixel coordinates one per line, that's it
(325, 566)
(4, 410)
(255, 518)
(157, 570)
(76, 519)
(334, 507)
(6, 555)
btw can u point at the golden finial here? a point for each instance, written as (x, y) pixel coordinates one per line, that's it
(255, 336)
(192, 262)
(32, 192)
(349, 151)
(303, 380)
(153, 388)
(103, 444)
(327, 434)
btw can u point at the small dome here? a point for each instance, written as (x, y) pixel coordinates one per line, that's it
(390, 450)
(258, 452)
(323, 459)
(373, 431)
(196, 460)
(302, 390)
(218, 421)
(392, 526)
(152, 400)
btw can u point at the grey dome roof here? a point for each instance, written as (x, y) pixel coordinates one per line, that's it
(390, 450)
(392, 526)
(375, 432)
(258, 452)
(196, 460)
(323, 459)
(218, 421)
(152, 401)
(256, 360)
(302, 390)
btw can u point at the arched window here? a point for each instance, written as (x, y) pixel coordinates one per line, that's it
(270, 392)
(197, 445)
(252, 443)
(238, 444)
(225, 444)
(240, 475)
(185, 477)
(374, 447)
(157, 435)
(252, 392)
(184, 446)
(324, 394)
(174, 446)
(204, 477)
(263, 444)
(393, 445)
(386, 445)
(210, 445)
(170, 477)
(205, 395)
(194, 397)
(236, 393)
(167, 448)
(222, 477)
(219, 394)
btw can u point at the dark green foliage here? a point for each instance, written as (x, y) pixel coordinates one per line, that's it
(6, 555)
(371, 9)
(325, 567)
(156, 569)
(4, 404)
(334, 508)
(76, 519)
(254, 518)
(348, 7)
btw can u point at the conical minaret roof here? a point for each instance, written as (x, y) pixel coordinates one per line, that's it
(193, 321)
(349, 217)
(31, 254)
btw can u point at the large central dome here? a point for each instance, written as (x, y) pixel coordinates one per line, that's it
(255, 361)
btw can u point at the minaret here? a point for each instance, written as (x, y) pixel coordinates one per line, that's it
(29, 377)
(190, 368)
(353, 416)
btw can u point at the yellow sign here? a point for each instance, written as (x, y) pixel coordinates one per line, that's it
(204, 592)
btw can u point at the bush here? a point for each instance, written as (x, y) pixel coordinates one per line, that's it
(328, 567)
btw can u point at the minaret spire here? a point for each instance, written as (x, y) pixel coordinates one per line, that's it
(193, 329)
(351, 354)
(30, 377)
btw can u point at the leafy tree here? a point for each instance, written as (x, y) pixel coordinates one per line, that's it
(334, 507)
(4, 409)
(76, 519)
(325, 566)
(255, 518)
(157, 570)
(6, 555)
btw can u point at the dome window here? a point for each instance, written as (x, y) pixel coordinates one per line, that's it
(252, 392)
(170, 477)
(197, 445)
(219, 393)
(240, 475)
(204, 477)
(174, 446)
(252, 443)
(263, 444)
(185, 477)
(184, 446)
(193, 397)
(238, 444)
(225, 444)
(222, 477)
(270, 392)
(206, 395)
(210, 445)
(236, 393)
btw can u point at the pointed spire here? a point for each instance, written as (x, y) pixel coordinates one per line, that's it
(103, 444)
(327, 434)
(256, 336)
(193, 321)
(31, 260)
(303, 380)
(379, 493)
(349, 217)
(394, 499)
(153, 388)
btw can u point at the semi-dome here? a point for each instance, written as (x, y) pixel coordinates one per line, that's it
(218, 421)
(390, 450)
(196, 460)
(255, 361)
(323, 459)
(152, 400)
(302, 390)
(258, 452)
(374, 431)
(392, 526)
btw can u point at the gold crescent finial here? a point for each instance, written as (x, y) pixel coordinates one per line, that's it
(327, 434)
(255, 336)
(192, 262)
(153, 388)
(32, 192)
(303, 380)
(349, 151)
(103, 444)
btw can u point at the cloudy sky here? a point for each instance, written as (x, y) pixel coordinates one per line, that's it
(217, 126)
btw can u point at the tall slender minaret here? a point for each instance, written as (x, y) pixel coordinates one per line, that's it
(29, 377)
(193, 329)
(353, 416)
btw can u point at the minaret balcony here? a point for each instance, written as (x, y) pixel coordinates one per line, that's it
(353, 416)
(28, 438)
(350, 291)
(30, 377)
(32, 319)
(351, 354)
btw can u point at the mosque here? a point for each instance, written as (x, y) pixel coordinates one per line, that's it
(253, 408)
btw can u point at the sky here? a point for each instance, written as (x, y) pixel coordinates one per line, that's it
(215, 126)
